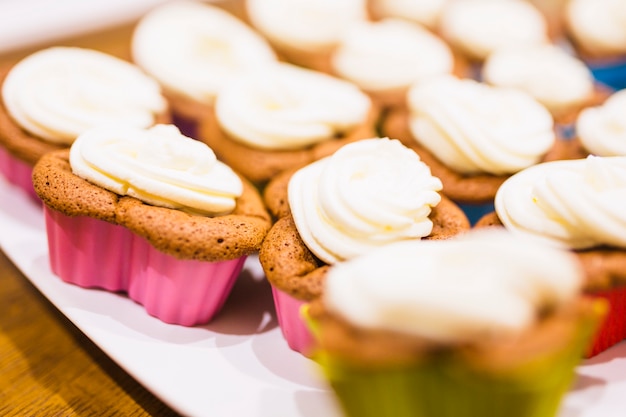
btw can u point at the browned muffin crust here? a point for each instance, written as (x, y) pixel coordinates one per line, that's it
(182, 235)
(459, 187)
(291, 267)
(261, 165)
(373, 348)
(27, 147)
(604, 267)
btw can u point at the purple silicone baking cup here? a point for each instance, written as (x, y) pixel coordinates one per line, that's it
(184, 292)
(18, 173)
(291, 323)
(93, 253)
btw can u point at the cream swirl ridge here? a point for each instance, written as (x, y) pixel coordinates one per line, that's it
(602, 129)
(287, 107)
(485, 284)
(193, 49)
(577, 204)
(159, 166)
(476, 128)
(389, 54)
(59, 92)
(367, 194)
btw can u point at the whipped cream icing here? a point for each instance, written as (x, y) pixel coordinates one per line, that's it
(602, 129)
(59, 92)
(307, 25)
(193, 49)
(599, 26)
(159, 166)
(424, 12)
(482, 285)
(367, 194)
(555, 78)
(286, 107)
(479, 27)
(576, 204)
(476, 128)
(390, 54)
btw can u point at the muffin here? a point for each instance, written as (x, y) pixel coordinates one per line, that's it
(554, 77)
(193, 49)
(423, 12)
(384, 58)
(575, 204)
(600, 130)
(53, 95)
(174, 223)
(598, 35)
(476, 28)
(484, 324)
(305, 32)
(282, 117)
(473, 136)
(367, 194)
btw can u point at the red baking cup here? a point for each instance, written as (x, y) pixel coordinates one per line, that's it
(18, 173)
(613, 329)
(292, 325)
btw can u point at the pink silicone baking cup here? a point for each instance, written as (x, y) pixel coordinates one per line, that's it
(93, 253)
(291, 322)
(613, 330)
(88, 252)
(18, 173)
(185, 292)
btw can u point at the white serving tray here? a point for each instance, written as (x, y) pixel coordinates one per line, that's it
(238, 365)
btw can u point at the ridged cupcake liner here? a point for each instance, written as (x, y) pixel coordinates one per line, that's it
(88, 252)
(611, 73)
(444, 385)
(93, 253)
(184, 292)
(613, 329)
(475, 211)
(18, 173)
(291, 322)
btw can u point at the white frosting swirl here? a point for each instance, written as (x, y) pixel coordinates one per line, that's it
(390, 54)
(285, 107)
(479, 27)
(159, 166)
(367, 194)
(602, 129)
(476, 128)
(193, 48)
(424, 12)
(555, 78)
(576, 203)
(482, 285)
(598, 25)
(307, 25)
(59, 92)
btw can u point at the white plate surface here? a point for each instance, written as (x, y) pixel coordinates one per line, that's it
(238, 365)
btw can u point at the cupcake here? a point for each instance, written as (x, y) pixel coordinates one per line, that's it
(423, 12)
(600, 130)
(174, 223)
(384, 58)
(555, 78)
(367, 194)
(305, 32)
(283, 116)
(193, 49)
(476, 28)
(53, 95)
(480, 325)
(598, 34)
(575, 204)
(473, 136)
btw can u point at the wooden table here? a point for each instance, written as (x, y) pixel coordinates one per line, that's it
(47, 366)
